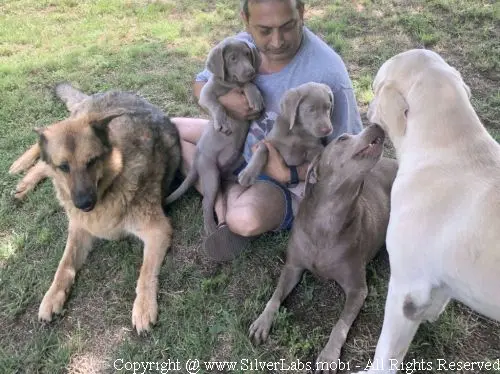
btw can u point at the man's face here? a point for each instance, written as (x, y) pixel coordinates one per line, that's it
(276, 27)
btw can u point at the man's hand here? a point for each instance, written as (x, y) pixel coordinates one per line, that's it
(276, 167)
(237, 106)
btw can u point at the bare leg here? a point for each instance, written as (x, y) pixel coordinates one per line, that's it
(78, 246)
(156, 234)
(290, 276)
(247, 211)
(254, 210)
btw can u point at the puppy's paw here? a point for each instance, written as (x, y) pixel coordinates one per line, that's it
(246, 177)
(259, 330)
(221, 123)
(256, 103)
(52, 303)
(144, 313)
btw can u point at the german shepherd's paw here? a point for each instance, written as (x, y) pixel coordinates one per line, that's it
(52, 303)
(22, 188)
(26, 160)
(144, 313)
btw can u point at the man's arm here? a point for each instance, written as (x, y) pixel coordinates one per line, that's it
(197, 86)
(277, 169)
(234, 101)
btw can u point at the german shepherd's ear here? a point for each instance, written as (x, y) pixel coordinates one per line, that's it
(289, 105)
(215, 61)
(42, 143)
(100, 127)
(312, 175)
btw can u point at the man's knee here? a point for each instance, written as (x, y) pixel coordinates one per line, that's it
(190, 129)
(245, 221)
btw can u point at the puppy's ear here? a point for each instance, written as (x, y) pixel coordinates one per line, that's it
(312, 176)
(256, 60)
(330, 95)
(215, 61)
(392, 110)
(289, 105)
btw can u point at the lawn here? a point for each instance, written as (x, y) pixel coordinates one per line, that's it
(155, 48)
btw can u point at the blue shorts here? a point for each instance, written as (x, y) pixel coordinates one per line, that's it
(286, 223)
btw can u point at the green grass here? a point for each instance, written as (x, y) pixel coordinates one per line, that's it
(155, 48)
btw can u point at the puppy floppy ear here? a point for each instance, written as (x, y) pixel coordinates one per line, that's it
(330, 95)
(312, 175)
(256, 60)
(289, 105)
(215, 61)
(390, 111)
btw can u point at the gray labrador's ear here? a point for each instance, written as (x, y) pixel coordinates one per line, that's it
(289, 105)
(256, 60)
(215, 61)
(332, 101)
(312, 174)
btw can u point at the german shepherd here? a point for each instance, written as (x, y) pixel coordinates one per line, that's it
(111, 163)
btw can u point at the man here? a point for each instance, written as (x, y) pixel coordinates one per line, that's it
(291, 55)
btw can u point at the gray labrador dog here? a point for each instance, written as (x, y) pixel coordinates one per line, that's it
(340, 226)
(233, 63)
(305, 113)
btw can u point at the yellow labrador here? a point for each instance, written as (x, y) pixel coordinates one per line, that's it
(443, 237)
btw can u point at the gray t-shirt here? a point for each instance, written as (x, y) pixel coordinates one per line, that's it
(315, 61)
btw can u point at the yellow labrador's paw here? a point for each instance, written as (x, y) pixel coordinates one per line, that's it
(144, 313)
(52, 303)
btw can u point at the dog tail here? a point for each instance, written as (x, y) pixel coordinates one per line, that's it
(186, 183)
(26, 160)
(69, 95)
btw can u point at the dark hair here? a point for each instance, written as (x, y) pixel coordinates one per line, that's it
(244, 4)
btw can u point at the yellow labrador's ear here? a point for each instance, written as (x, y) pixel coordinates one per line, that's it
(289, 105)
(215, 61)
(467, 89)
(312, 176)
(256, 60)
(465, 86)
(391, 109)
